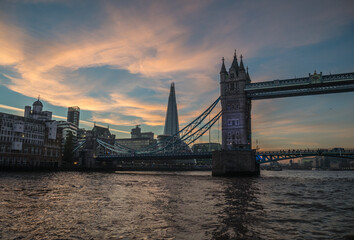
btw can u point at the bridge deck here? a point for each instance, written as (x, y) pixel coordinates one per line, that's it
(261, 157)
(312, 85)
(160, 156)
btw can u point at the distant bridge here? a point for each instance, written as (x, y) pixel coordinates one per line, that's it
(264, 157)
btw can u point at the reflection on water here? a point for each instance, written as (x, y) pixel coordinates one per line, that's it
(183, 205)
(241, 210)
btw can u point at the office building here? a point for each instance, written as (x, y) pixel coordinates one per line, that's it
(68, 127)
(171, 122)
(139, 140)
(74, 115)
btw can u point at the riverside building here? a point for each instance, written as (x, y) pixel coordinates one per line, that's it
(67, 128)
(28, 142)
(37, 112)
(139, 140)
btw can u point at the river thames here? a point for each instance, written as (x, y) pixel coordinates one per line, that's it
(177, 205)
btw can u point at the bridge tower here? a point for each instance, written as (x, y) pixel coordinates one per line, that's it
(236, 157)
(236, 107)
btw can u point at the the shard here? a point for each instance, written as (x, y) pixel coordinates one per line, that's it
(171, 122)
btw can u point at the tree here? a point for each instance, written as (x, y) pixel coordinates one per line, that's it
(68, 155)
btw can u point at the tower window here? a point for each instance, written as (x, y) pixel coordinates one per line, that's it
(231, 86)
(237, 122)
(232, 75)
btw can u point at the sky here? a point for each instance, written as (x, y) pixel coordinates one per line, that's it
(117, 59)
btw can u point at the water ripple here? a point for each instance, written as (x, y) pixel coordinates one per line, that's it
(180, 205)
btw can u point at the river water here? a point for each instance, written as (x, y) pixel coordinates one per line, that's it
(177, 205)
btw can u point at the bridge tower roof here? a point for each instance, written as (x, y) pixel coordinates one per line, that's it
(223, 69)
(242, 67)
(234, 62)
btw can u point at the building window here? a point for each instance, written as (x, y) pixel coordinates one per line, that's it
(232, 75)
(233, 122)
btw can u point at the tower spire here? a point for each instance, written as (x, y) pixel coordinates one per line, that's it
(171, 122)
(223, 69)
(241, 63)
(234, 62)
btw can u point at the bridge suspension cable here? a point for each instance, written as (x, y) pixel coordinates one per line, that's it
(79, 146)
(117, 148)
(184, 137)
(184, 133)
(197, 134)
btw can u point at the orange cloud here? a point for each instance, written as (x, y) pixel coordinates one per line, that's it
(11, 42)
(155, 51)
(153, 44)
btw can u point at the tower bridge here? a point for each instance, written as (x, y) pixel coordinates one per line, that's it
(236, 95)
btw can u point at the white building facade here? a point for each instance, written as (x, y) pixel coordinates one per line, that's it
(37, 112)
(28, 142)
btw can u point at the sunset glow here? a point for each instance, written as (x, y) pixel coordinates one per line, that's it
(117, 59)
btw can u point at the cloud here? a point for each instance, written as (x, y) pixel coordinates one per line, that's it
(11, 41)
(155, 51)
(158, 42)
(11, 108)
(303, 122)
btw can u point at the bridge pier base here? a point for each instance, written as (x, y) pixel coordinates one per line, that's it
(235, 163)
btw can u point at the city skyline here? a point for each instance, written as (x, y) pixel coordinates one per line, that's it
(116, 61)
